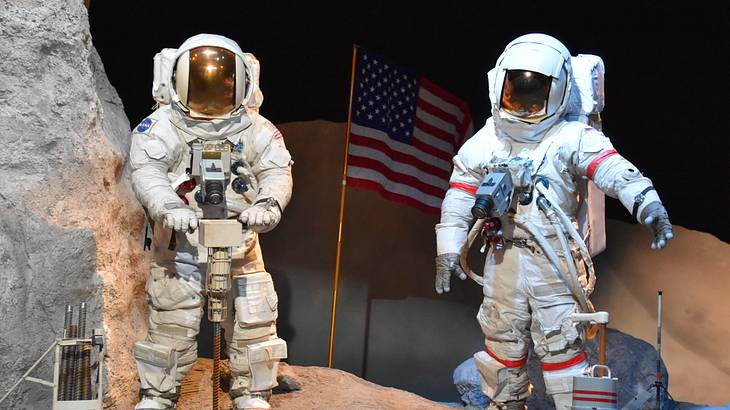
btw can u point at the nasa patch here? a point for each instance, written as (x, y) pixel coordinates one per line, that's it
(145, 125)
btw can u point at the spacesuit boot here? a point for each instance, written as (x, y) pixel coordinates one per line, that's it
(254, 350)
(153, 403)
(253, 401)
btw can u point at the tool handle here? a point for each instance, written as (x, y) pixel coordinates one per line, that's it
(595, 317)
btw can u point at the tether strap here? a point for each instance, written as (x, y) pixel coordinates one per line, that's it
(638, 200)
(268, 201)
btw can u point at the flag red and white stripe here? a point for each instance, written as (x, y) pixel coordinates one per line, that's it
(404, 132)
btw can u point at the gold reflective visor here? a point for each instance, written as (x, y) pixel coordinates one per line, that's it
(212, 81)
(525, 93)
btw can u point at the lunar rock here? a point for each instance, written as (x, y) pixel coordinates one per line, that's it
(69, 224)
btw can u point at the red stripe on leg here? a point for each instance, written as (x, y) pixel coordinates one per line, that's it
(580, 357)
(508, 363)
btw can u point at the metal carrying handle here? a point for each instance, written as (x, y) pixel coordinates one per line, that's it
(600, 366)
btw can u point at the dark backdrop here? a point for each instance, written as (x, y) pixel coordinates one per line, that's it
(666, 81)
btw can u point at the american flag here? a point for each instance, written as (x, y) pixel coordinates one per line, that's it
(404, 132)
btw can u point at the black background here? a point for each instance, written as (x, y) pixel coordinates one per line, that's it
(666, 81)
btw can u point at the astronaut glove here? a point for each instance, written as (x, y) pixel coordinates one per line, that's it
(179, 217)
(262, 216)
(655, 217)
(447, 265)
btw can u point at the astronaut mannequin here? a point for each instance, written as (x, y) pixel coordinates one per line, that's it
(526, 288)
(213, 96)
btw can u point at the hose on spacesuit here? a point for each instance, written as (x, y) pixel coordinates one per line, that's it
(570, 228)
(574, 284)
(473, 233)
(562, 224)
(548, 210)
(572, 276)
(552, 256)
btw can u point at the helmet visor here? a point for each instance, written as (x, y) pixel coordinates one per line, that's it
(212, 81)
(525, 93)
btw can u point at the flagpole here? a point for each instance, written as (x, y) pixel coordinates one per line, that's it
(342, 213)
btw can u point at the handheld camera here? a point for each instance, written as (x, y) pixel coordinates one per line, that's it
(494, 196)
(211, 169)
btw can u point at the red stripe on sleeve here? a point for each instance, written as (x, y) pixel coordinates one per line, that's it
(591, 170)
(469, 189)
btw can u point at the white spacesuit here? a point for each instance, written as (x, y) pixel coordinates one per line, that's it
(534, 277)
(212, 84)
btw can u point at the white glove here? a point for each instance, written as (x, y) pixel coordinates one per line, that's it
(447, 265)
(179, 217)
(655, 217)
(261, 217)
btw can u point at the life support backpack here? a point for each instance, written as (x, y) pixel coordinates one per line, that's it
(585, 104)
(164, 62)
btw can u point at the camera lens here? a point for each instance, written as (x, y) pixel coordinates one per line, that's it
(213, 192)
(482, 207)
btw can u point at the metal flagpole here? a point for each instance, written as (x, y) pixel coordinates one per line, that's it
(342, 213)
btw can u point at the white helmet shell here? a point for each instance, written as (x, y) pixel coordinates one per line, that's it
(243, 70)
(542, 54)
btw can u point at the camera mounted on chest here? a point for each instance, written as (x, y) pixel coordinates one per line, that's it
(212, 166)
